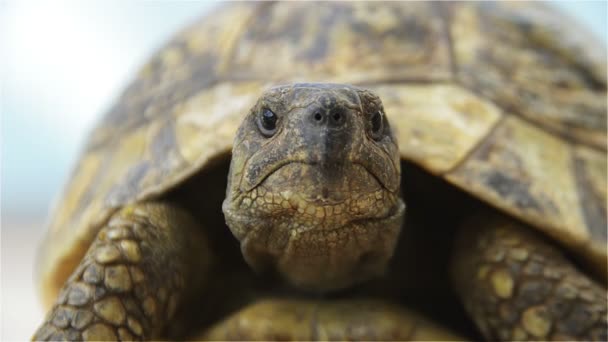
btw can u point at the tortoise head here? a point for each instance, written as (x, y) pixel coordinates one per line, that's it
(313, 189)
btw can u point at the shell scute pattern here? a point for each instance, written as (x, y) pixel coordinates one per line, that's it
(356, 43)
(429, 120)
(493, 100)
(537, 71)
(191, 62)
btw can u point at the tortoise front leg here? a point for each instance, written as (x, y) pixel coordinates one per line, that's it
(326, 320)
(517, 286)
(142, 265)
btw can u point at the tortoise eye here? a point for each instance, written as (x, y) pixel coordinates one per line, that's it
(377, 122)
(267, 122)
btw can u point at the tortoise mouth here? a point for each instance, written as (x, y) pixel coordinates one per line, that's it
(376, 167)
(302, 196)
(320, 231)
(304, 183)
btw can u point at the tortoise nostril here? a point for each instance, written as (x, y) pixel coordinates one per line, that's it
(331, 118)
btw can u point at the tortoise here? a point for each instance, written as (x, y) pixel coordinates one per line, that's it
(487, 119)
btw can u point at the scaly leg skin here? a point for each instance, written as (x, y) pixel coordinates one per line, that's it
(312, 320)
(142, 265)
(518, 286)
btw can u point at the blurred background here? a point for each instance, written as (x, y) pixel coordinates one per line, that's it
(62, 64)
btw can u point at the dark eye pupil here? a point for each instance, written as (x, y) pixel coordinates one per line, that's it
(376, 122)
(269, 120)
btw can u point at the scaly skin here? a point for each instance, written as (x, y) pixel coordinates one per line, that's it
(142, 265)
(317, 199)
(517, 286)
(337, 320)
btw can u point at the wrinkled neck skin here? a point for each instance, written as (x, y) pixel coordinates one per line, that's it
(318, 199)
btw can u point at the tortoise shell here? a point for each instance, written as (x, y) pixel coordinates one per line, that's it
(505, 100)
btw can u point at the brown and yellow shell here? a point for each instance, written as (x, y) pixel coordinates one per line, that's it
(504, 100)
